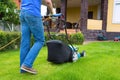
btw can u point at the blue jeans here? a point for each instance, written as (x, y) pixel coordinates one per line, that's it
(30, 24)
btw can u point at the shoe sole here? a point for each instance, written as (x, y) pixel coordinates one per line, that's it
(28, 71)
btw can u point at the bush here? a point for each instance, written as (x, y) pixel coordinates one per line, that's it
(77, 38)
(6, 38)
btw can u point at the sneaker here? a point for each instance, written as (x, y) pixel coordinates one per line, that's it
(83, 54)
(29, 70)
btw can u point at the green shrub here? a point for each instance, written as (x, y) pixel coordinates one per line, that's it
(56, 36)
(2, 39)
(77, 38)
(6, 38)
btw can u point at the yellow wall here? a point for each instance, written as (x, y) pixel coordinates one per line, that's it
(110, 26)
(73, 13)
(94, 24)
(94, 9)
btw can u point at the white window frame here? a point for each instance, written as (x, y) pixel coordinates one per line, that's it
(116, 12)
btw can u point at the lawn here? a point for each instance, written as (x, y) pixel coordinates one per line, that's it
(101, 63)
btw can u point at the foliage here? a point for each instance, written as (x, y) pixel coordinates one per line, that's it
(77, 38)
(6, 37)
(58, 36)
(9, 14)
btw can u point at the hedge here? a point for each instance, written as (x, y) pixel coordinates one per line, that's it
(6, 37)
(77, 38)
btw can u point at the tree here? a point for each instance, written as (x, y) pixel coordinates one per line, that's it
(9, 14)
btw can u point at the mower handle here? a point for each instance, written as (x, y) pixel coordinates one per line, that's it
(54, 15)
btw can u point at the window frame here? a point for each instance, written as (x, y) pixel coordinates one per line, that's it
(116, 11)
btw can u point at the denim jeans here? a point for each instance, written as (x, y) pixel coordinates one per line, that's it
(30, 24)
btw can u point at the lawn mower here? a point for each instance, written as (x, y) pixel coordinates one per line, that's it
(58, 51)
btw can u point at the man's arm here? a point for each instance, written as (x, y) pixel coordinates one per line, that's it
(50, 5)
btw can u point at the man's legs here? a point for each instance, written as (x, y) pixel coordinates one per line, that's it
(36, 27)
(25, 40)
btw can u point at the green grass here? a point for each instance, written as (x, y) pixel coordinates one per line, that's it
(101, 63)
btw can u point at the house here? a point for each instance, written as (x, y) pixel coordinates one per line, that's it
(93, 15)
(18, 3)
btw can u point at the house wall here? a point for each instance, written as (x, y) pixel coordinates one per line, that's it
(111, 27)
(94, 24)
(17, 3)
(94, 9)
(73, 13)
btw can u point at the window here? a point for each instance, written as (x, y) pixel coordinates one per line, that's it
(116, 12)
(90, 15)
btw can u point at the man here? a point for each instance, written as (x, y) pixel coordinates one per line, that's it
(31, 23)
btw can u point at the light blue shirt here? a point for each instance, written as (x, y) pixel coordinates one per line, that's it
(32, 6)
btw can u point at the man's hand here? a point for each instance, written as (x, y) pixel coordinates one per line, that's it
(50, 5)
